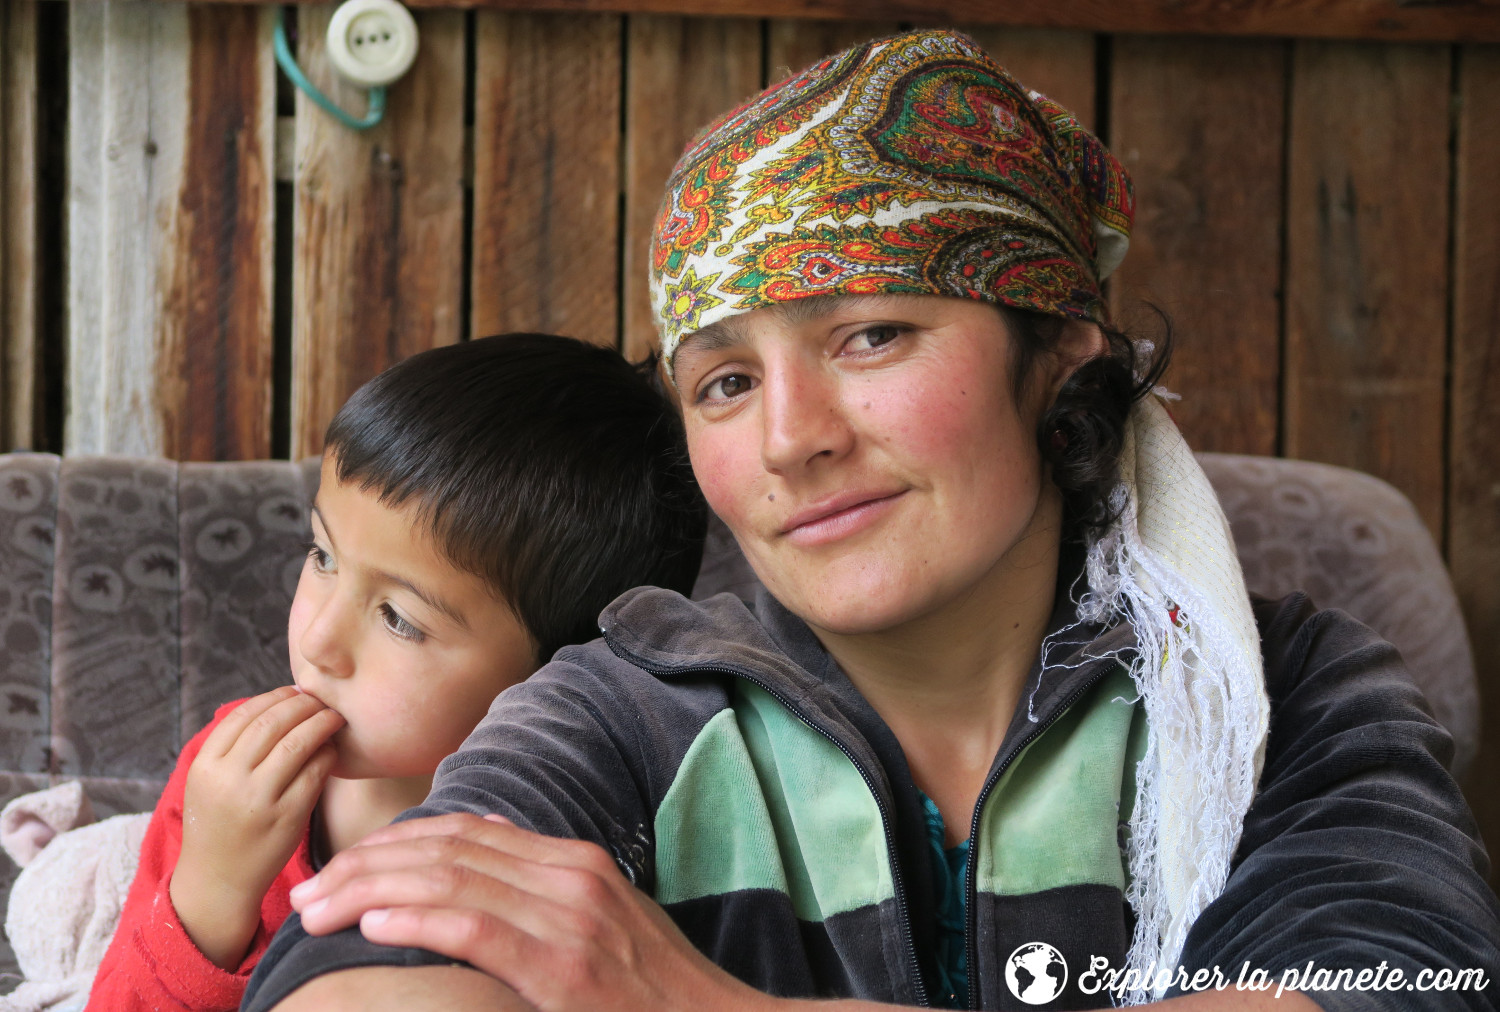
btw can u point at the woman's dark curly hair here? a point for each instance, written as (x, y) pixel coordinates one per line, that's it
(1081, 433)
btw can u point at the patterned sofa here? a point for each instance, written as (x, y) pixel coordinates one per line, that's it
(137, 595)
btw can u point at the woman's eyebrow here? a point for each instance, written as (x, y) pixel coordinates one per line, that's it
(715, 336)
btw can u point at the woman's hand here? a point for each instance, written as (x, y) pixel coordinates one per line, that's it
(247, 801)
(553, 919)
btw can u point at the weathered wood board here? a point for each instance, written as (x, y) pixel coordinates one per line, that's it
(680, 75)
(794, 45)
(214, 338)
(1367, 263)
(1474, 443)
(1059, 64)
(1200, 128)
(169, 231)
(18, 195)
(378, 223)
(547, 175)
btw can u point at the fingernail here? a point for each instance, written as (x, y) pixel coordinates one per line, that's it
(314, 909)
(492, 817)
(374, 918)
(305, 889)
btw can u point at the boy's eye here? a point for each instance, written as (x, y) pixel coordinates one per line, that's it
(322, 562)
(399, 626)
(727, 387)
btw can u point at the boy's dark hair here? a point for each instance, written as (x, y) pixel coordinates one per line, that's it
(551, 468)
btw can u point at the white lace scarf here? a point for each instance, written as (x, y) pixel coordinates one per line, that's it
(1168, 567)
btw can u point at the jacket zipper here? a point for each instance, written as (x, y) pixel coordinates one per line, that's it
(971, 865)
(885, 820)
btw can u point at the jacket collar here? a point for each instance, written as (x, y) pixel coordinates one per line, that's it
(671, 636)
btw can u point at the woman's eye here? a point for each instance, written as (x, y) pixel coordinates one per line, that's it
(873, 337)
(322, 562)
(727, 387)
(399, 626)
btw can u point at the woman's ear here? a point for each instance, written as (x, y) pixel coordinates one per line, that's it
(1078, 341)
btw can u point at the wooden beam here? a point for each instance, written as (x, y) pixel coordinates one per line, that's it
(1200, 126)
(681, 74)
(547, 175)
(1384, 20)
(1367, 263)
(378, 223)
(1474, 467)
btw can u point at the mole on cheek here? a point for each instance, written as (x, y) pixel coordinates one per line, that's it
(771, 496)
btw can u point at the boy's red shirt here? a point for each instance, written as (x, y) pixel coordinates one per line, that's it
(151, 963)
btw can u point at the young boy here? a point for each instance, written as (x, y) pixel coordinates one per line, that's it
(479, 505)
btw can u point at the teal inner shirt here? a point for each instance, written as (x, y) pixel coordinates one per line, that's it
(949, 866)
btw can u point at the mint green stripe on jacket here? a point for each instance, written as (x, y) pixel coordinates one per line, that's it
(1053, 818)
(762, 801)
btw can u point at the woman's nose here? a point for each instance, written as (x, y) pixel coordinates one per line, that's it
(802, 418)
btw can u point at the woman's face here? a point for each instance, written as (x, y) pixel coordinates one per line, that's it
(867, 452)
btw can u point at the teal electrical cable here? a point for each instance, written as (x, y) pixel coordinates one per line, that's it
(288, 63)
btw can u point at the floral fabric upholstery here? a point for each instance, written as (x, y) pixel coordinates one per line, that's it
(137, 595)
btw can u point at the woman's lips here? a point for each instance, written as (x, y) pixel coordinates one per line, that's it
(838, 518)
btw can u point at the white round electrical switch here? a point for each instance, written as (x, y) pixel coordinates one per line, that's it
(371, 42)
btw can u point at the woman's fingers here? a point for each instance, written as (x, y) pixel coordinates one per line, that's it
(442, 886)
(427, 869)
(498, 833)
(553, 919)
(541, 864)
(487, 943)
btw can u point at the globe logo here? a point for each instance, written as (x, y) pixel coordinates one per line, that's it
(1036, 973)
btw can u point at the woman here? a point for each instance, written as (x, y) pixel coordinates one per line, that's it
(994, 732)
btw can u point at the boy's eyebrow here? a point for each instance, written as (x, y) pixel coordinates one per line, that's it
(432, 601)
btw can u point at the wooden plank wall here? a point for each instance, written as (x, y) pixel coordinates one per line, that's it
(170, 167)
(1318, 217)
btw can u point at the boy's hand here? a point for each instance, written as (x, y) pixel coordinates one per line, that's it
(247, 801)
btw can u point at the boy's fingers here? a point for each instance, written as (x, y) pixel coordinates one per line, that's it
(290, 754)
(222, 738)
(307, 785)
(269, 727)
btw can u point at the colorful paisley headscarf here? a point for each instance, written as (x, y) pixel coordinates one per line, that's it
(914, 165)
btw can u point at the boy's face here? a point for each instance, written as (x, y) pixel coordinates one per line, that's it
(384, 629)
